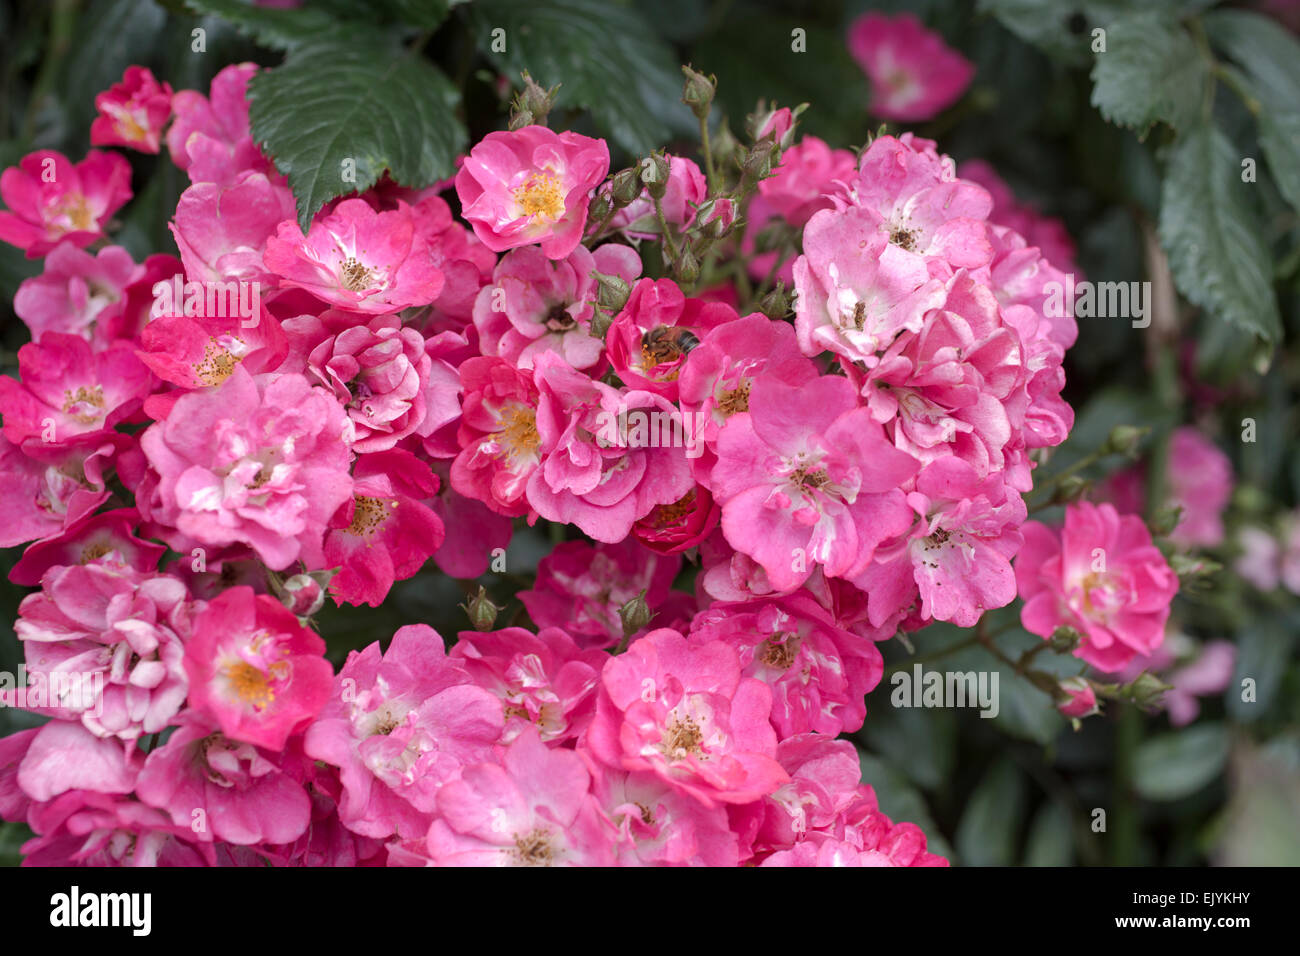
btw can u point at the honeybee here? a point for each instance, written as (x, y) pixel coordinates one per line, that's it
(667, 343)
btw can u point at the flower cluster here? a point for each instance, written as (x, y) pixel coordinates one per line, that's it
(201, 451)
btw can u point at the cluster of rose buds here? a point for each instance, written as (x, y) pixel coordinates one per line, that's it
(828, 403)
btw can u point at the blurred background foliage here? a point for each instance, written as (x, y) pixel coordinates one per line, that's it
(1140, 203)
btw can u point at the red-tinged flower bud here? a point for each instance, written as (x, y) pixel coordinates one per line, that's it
(1076, 698)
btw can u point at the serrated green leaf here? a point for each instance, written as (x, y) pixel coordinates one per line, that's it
(1269, 56)
(1150, 72)
(606, 59)
(280, 28)
(380, 106)
(1212, 235)
(1176, 765)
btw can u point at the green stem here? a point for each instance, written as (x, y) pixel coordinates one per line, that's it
(1123, 816)
(934, 655)
(1050, 483)
(604, 224)
(669, 245)
(1028, 656)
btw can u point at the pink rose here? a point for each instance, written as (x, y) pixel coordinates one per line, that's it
(531, 185)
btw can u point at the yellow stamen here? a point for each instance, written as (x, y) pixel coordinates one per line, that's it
(541, 196)
(250, 684)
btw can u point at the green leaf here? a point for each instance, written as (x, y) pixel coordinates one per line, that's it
(606, 59)
(1176, 765)
(1268, 55)
(1213, 236)
(1051, 837)
(364, 100)
(1150, 72)
(922, 742)
(1261, 826)
(986, 835)
(424, 14)
(1044, 24)
(1263, 649)
(274, 27)
(12, 837)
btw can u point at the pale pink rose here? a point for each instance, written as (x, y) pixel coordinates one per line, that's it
(659, 825)
(545, 680)
(536, 304)
(399, 726)
(357, 259)
(107, 643)
(805, 478)
(79, 294)
(587, 475)
(531, 807)
(529, 186)
(818, 672)
(263, 462)
(223, 789)
(685, 713)
(222, 230)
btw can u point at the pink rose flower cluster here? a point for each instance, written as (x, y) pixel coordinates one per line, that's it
(200, 451)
